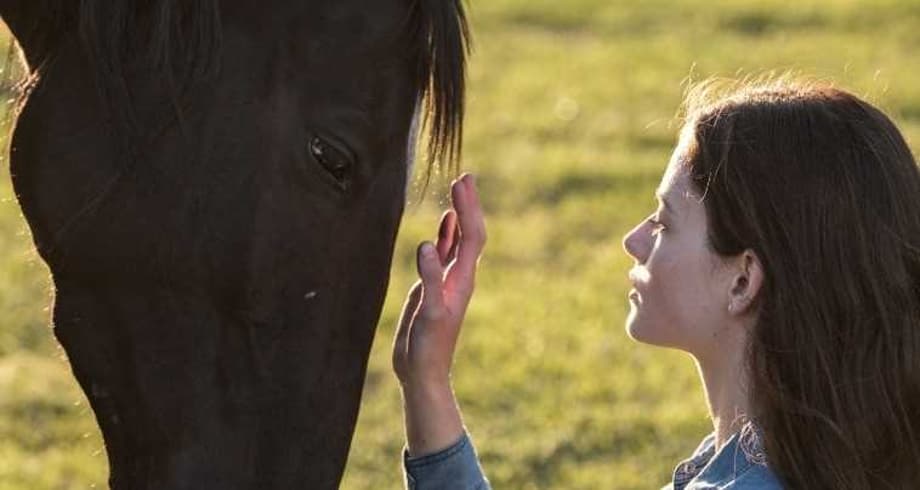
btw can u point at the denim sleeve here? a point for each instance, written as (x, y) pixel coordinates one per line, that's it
(454, 468)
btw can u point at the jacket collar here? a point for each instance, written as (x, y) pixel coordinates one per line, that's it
(743, 451)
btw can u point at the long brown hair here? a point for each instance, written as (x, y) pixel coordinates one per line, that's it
(823, 188)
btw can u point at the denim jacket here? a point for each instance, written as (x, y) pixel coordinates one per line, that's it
(739, 465)
(455, 468)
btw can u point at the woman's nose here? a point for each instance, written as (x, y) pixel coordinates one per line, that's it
(635, 243)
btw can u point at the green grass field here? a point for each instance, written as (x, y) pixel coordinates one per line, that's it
(570, 122)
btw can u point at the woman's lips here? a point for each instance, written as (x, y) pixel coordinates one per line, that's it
(634, 296)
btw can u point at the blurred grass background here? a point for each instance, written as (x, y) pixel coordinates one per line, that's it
(570, 123)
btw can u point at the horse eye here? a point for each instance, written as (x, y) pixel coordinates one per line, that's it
(335, 161)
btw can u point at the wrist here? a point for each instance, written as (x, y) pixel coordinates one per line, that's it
(428, 388)
(432, 417)
(429, 402)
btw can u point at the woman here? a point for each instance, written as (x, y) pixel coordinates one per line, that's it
(784, 256)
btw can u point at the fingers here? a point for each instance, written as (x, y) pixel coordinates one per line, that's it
(436, 304)
(432, 273)
(408, 312)
(470, 218)
(447, 234)
(455, 243)
(461, 237)
(472, 233)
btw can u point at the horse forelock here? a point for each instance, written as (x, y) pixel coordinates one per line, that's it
(441, 43)
(412, 143)
(178, 39)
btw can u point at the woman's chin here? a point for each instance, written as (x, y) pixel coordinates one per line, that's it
(640, 331)
(634, 327)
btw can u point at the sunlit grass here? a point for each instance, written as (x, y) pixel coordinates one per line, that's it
(570, 121)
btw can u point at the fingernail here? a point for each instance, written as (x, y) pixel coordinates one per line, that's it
(459, 186)
(427, 249)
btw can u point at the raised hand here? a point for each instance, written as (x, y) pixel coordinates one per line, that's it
(430, 323)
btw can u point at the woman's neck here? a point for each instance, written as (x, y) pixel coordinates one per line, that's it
(724, 381)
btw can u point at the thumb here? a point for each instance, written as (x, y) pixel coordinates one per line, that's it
(432, 274)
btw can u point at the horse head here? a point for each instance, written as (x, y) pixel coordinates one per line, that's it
(216, 187)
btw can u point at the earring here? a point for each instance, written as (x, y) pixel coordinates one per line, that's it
(731, 306)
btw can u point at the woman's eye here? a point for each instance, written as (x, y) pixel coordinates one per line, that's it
(333, 160)
(657, 225)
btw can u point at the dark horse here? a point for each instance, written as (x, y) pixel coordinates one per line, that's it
(216, 186)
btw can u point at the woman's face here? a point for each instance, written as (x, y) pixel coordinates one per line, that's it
(680, 297)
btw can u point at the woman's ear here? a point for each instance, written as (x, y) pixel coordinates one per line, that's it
(746, 283)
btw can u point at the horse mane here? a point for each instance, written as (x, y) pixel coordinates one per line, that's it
(181, 39)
